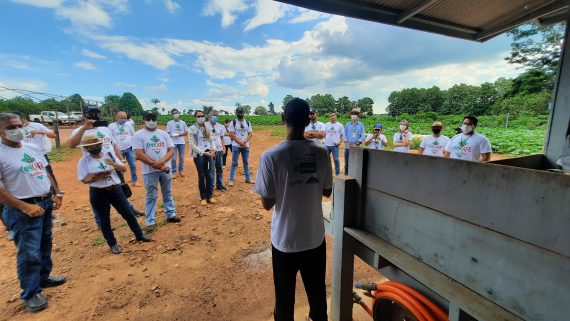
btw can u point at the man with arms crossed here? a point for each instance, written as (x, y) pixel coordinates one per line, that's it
(29, 193)
(293, 176)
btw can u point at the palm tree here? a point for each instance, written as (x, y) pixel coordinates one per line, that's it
(155, 101)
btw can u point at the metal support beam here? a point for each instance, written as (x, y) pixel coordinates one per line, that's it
(414, 10)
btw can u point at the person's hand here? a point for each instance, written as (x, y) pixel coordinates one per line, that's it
(37, 132)
(57, 202)
(213, 154)
(165, 169)
(32, 210)
(103, 175)
(89, 124)
(111, 163)
(157, 166)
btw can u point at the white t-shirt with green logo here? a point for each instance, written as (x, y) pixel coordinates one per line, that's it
(316, 127)
(90, 165)
(23, 171)
(468, 147)
(242, 130)
(38, 139)
(122, 134)
(155, 145)
(434, 146)
(334, 133)
(378, 142)
(295, 173)
(399, 138)
(177, 128)
(104, 134)
(218, 130)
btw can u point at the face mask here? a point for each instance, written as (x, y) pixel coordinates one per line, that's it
(354, 117)
(176, 116)
(214, 118)
(122, 121)
(436, 130)
(240, 116)
(150, 123)
(466, 129)
(15, 135)
(403, 127)
(95, 151)
(200, 120)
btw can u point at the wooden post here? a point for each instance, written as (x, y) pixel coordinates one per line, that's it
(344, 212)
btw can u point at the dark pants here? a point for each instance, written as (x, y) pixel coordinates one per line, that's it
(49, 169)
(101, 200)
(312, 265)
(346, 155)
(33, 240)
(205, 168)
(226, 149)
(219, 170)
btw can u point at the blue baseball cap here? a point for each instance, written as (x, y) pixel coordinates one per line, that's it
(377, 126)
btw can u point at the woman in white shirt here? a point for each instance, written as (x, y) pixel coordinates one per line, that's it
(403, 138)
(203, 148)
(99, 171)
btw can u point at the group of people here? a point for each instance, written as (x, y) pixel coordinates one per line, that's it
(292, 178)
(467, 144)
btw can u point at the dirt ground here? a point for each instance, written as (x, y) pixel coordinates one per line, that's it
(214, 265)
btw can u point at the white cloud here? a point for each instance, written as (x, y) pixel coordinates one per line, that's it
(227, 8)
(157, 89)
(124, 85)
(306, 15)
(84, 65)
(267, 12)
(149, 54)
(41, 3)
(92, 54)
(85, 15)
(172, 5)
(26, 84)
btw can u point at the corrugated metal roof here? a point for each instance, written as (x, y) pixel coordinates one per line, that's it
(477, 20)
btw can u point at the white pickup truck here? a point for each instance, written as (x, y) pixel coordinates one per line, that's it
(49, 117)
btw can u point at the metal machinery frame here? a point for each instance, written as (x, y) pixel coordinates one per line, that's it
(488, 241)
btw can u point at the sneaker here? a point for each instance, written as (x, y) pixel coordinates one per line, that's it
(144, 238)
(181, 175)
(36, 303)
(150, 228)
(53, 281)
(212, 200)
(203, 202)
(174, 219)
(138, 213)
(223, 189)
(250, 182)
(116, 249)
(231, 184)
(174, 176)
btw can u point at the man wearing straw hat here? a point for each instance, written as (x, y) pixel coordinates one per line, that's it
(29, 194)
(434, 145)
(354, 135)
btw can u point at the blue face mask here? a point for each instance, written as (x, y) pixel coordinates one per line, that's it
(214, 118)
(122, 121)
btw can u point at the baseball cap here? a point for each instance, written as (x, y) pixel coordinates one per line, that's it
(149, 114)
(437, 124)
(239, 110)
(377, 126)
(91, 110)
(296, 112)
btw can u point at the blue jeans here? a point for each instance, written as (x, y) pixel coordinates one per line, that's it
(98, 217)
(129, 155)
(219, 169)
(33, 241)
(205, 168)
(244, 157)
(346, 161)
(178, 148)
(101, 199)
(151, 181)
(335, 154)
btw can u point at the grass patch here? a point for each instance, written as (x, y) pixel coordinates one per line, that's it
(61, 155)
(99, 240)
(277, 131)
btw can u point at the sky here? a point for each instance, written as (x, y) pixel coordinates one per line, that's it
(219, 52)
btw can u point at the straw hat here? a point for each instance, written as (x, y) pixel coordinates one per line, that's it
(437, 124)
(355, 110)
(89, 140)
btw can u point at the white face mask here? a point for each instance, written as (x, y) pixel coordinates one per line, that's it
(15, 135)
(150, 123)
(176, 116)
(403, 127)
(466, 129)
(200, 120)
(354, 117)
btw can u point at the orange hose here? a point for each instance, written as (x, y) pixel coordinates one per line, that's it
(421, 307)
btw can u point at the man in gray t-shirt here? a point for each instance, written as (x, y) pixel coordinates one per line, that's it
(293, 176)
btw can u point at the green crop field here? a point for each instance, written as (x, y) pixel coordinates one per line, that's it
(524, 135)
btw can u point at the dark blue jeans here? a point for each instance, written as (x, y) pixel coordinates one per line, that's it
(205, 167)
(219, 169)
(33, 240)
(98, 217)
(236, 151)
(101, 200)
(129, 155)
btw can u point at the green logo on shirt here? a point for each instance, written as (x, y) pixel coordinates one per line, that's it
(32, 167)
(100, 135)
(28, 159)
(154, 139)
(102, 166)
